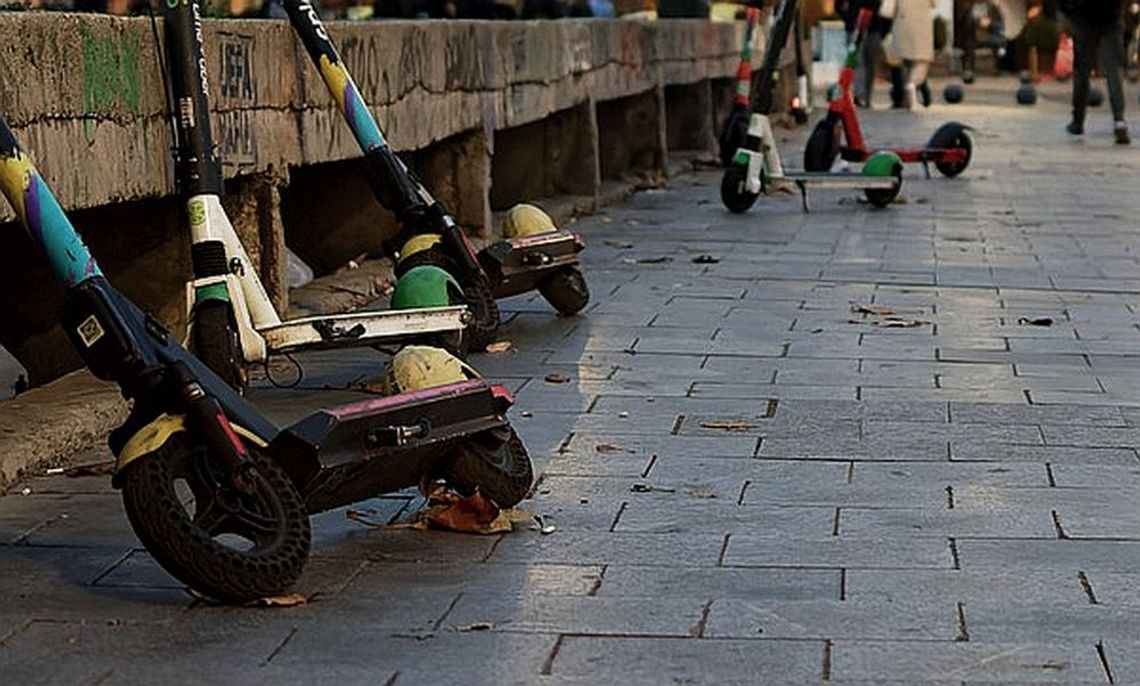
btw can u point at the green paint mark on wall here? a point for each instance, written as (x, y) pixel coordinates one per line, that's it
(111, 80)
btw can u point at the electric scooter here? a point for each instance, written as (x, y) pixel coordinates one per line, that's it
(536, 257)
(735, 127)
(949, 149)
(756, 167)
(214, 491)
(233, 323)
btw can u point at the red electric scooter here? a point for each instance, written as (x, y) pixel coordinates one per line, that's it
(838, 135)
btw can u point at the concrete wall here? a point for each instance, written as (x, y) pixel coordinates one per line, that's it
(483, 105)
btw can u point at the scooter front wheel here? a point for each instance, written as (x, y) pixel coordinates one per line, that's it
(823, 145)
(733, 132)
(566, 291)
(216, 343)
(734, 190)
(952, 136)
(496, 463)
(228, 544)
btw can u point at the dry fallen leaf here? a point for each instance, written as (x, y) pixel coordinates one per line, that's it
(555, 377)
(383, 286)
(499, 347)
(871, 309)
(896, 323)
(288, 600)
(611, 448)
(727, 424)
(474, 514)
(650, 488)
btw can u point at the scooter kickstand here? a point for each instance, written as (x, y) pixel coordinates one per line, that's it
(926, 168)
(803, 195)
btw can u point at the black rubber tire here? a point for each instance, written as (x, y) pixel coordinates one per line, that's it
(952, 135)
(215, 342)
(189, 552)
(496, 463)
(823, 145)
(566, 291)
(882, 198)
(457, 343)
(485, 314)
(732, 134)
(732, 192)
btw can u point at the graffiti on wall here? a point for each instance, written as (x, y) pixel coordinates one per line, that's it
(111, 80)
(237, 90)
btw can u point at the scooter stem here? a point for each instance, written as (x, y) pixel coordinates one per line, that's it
(392, 183)
(71, 262)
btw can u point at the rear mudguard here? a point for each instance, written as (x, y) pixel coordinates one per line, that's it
(945, 135)
(517, 265)
(155, 435)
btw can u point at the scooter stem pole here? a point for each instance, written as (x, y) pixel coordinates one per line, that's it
(200, 170)
(41, 214)
(743, 95)
(784, 12)
(394, 186)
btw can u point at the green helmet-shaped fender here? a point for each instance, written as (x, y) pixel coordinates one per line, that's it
(417, 367)
(425, 286)
(882, 163)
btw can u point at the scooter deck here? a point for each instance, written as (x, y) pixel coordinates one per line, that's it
(352, 329)
(517, 265)
(830, 180)
(345, 454)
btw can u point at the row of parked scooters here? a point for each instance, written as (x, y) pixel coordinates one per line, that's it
(752, 163)
(217, 493)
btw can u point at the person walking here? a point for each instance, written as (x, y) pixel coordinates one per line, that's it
(1098, 26)
(913, 43)
(872, 44)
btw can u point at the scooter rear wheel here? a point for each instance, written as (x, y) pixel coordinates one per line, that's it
(823, 145)
(952, 136)
(733, 191)
(497, 463)
(882, 197)
(216, 343)
(566, 291)
(485, 312)
(229, 545)
(732, 134)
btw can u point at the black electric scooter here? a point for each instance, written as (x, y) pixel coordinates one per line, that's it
(747, 100)
(217, 493)
(546, 260)
(233, 323)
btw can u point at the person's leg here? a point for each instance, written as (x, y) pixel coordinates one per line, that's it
(872, 46)
(861, 76)
(916, 76)
(1112, 62)
(1084, 52)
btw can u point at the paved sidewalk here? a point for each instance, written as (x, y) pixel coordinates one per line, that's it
(751, 482)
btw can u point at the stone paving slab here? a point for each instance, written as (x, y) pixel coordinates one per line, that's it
(749, 482)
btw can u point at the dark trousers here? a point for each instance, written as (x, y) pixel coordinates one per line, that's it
(868, 61)
(1110, 42)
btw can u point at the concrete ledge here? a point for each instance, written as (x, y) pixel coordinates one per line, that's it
(44, 426)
